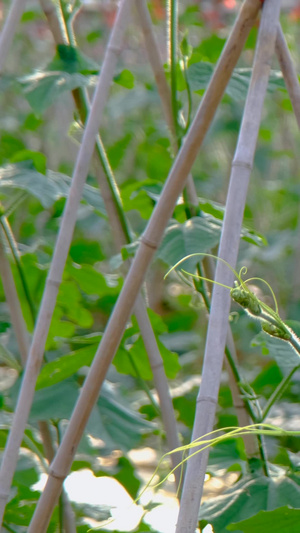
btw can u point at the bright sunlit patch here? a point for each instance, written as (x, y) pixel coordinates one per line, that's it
(208, 529)
(84, 487)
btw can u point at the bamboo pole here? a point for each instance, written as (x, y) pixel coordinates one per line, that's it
(218, 323)
(149, 242)
(9, 29)
(289, 72)
(26, 394)
(121, 238)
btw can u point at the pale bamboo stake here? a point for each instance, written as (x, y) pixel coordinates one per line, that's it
(9, 29)
(149, 242)
(289, 72)
(22, 337)
(10, 455)
(153, 52)
(218, 323)
(149, 339)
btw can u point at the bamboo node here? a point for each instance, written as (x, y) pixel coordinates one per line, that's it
(159, 364)
(207, 399)
(60, 477)
(149, 243)
(115, 49)
(240, 163)
(55, 283)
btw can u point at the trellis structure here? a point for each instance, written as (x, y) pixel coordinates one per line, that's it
(130, 300)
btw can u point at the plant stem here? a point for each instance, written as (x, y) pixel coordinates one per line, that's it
(277, 393)
(15, 252)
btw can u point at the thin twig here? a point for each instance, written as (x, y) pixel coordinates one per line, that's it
(218, 322)
(149, 242)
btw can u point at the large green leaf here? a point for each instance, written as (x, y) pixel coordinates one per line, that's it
(284, 354)
(282, 520)
(66, 366)
(115, 423)
(46, 188)
(42, 89)
(70, 69)
(55, 402)
(198, 234)
(199, 75)
(246, 498)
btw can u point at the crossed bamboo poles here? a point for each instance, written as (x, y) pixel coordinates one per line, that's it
(149, 242)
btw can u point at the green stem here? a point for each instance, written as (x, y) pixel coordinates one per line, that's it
(189, 93)
(144, 386)
(15, 252)
(277, 393)
(173, 24)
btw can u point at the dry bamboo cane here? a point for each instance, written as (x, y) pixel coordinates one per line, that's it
(22, 337)
(9, 29)
(251, 444)
(148, 336)
(149, 242)
(10, 455)
(289, 72)
(218, 323)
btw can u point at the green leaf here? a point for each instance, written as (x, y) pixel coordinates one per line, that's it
(248, 497)
(286, 357)
(114, 422)
(55, 402)
(8, 359)
(38, 159)
(282, 520)
(200, 73)
(42, 89)
(46, 188)
(125, 79)
(117, 151)
(84, 251)
(66, 366)
(91, 281)
(195, 235)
